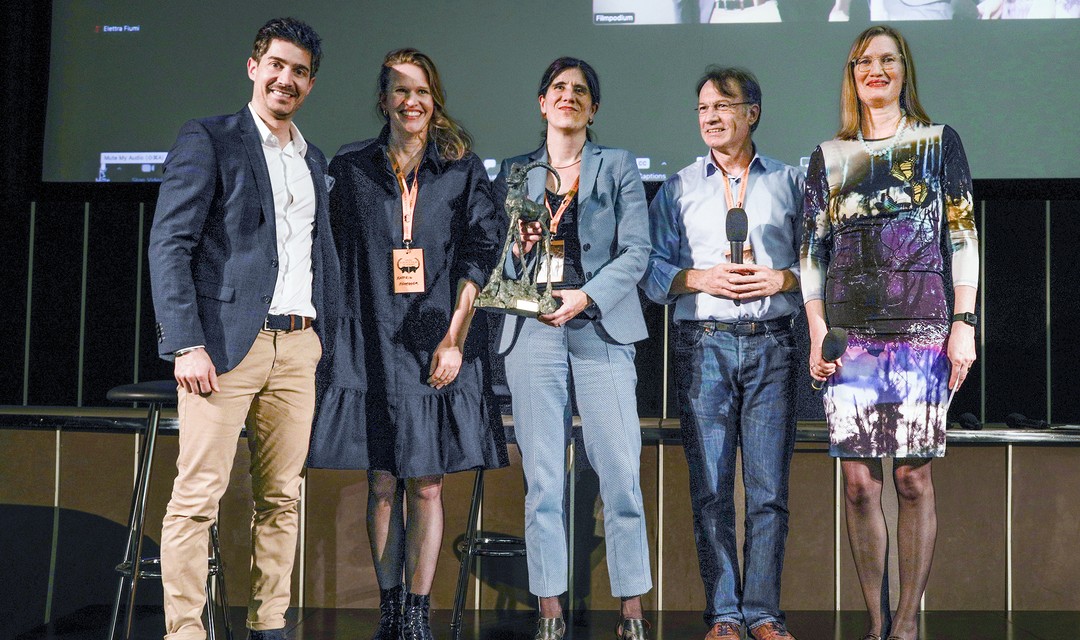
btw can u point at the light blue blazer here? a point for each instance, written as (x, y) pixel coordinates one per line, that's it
(613, 228)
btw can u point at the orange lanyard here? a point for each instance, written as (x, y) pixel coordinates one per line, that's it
(742, 187)
(408, 203)
(557, 216)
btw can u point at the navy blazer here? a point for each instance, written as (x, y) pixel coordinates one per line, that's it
(613, 228)
(213, 245)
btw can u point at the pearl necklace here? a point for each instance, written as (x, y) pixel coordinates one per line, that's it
(892, 145)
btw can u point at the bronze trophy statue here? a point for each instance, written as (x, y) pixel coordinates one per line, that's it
(521, 297)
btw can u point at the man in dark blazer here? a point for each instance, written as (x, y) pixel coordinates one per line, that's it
(241, 257)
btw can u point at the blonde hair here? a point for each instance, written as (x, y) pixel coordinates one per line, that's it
(452, 141)
(850, 112)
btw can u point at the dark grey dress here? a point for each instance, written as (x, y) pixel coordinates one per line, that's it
(375, 409)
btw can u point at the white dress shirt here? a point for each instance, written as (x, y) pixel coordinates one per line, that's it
(294, 218)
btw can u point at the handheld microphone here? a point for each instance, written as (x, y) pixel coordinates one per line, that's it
(1020, 421)
(833, 345)
(736, 234)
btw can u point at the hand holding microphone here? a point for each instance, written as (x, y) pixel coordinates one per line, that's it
(833, 346)
(736, 226)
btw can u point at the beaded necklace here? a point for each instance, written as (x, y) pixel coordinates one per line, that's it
(892, 145)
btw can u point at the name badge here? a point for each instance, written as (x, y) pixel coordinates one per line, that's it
(556, 264)
(408, 269)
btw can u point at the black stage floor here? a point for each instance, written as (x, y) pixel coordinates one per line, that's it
(358, 624)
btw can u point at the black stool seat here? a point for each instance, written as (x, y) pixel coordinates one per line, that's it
(160, 391)
(135, 566)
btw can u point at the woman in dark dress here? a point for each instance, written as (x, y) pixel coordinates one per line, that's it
(882, 200)
(403, 388)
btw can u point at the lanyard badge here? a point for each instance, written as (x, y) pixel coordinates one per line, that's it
(556, 261)
(407, 265)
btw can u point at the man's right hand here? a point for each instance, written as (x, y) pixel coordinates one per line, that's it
(194, 371)
(717, 280)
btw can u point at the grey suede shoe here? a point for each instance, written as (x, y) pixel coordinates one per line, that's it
(550, 629)
(266, 634)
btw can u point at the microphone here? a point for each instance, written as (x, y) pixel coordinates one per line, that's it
(736, 234)
(833, 345)
(1020, 421)
(969, 421)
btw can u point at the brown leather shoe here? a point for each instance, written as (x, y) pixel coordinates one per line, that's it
(770, 631)
(725, 631)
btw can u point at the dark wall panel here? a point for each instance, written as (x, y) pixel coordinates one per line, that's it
(55, 307)
(112, 273)
(1015, 314)
(1064, 310)
(650, 361)
(15, 247)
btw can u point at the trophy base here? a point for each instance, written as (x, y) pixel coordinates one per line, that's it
(527, 307)
(515, 297)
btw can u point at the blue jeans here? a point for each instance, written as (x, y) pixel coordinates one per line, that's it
(738, 391)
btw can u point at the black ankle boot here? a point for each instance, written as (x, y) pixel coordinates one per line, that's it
(414, 619)
(389, 614)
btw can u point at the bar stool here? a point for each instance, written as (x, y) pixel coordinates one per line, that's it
(134, 566)
(477, 543)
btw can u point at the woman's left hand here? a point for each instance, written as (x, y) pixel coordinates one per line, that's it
(445, 365)
(961, 351)
(574, 302)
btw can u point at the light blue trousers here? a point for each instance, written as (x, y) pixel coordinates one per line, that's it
(538, 372)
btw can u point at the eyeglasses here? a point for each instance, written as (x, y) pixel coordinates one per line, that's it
(888, 62)
(719, 107)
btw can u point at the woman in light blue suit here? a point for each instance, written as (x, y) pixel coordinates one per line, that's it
(600, 226)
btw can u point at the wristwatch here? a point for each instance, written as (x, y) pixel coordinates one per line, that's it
(967, 318)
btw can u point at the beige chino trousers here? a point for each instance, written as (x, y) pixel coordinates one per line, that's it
(272, 392)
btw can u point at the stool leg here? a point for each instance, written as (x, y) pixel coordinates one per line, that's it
(119, 597)
(219, 580)
(467, 555)
(211, 622)
(571, 484)
(133, 549)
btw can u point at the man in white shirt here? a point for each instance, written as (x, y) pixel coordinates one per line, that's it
(735, 352)
(241, 257)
